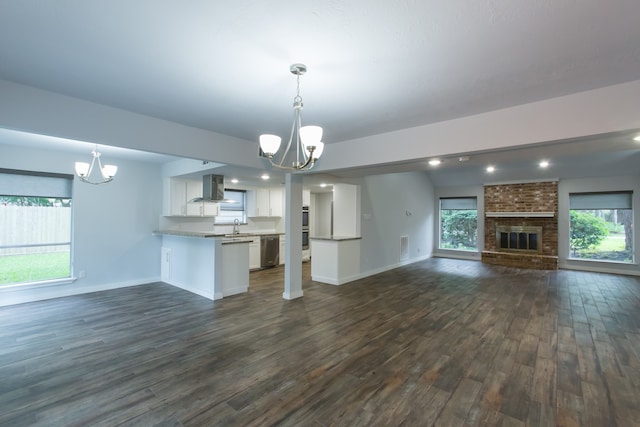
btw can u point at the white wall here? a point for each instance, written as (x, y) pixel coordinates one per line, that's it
(346, 210)
(112, 224)
(321, 214)
(476, 191)
(586, 185)
(608, 109)
(395, 205)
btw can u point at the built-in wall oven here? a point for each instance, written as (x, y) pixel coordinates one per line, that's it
(305, 227)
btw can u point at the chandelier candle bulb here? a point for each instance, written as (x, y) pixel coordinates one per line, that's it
(82, 168)
(270, 144)
(109, 171)
(310, 135)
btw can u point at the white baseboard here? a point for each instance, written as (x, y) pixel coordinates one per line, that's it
(392, 266)
(599, 269)
(292, 295)
(472, 256)
(362, 275)
(197, 291)
(235, 291)
(15, 295)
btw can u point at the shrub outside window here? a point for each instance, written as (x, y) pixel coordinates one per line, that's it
(601, 226)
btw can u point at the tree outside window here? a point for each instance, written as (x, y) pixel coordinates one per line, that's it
(459, 223)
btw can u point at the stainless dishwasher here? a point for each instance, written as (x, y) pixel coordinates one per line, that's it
(269, 251)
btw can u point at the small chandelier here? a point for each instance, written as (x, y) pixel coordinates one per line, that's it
(307, 139)
(83, 170)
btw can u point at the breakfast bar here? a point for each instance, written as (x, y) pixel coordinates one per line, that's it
(211, 265)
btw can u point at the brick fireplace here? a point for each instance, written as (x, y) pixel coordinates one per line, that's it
(521, 225)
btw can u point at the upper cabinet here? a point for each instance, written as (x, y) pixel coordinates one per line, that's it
(178, 193)
(265, 202)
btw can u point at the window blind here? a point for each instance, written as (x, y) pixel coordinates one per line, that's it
(35, 184)
(236, 195)
(592, 201)
(458, 203)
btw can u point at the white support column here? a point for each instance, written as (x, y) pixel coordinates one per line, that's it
(293, 233)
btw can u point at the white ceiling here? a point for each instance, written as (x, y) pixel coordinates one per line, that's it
(374, 65)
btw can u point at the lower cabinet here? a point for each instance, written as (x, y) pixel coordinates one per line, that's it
(254, 253)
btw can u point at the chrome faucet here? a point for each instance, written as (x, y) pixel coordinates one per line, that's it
(236, 226)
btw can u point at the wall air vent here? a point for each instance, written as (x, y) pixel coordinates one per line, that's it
(404, 248)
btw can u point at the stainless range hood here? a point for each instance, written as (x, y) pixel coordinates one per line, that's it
(213, 190)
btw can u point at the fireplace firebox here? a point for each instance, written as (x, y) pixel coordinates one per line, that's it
(519, 239)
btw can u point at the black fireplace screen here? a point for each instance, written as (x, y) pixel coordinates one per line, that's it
(519, 238)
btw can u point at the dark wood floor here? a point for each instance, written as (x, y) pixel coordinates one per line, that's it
(440, 342)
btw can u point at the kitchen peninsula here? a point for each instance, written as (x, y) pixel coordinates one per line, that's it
(210, 265)
(335, 260)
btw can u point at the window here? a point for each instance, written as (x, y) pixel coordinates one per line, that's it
(459, 223)
(232, 211)
(601, 226)
(35, 226)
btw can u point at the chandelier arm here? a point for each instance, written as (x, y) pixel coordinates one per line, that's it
(310, 163)
(95, 155)
(100, 166)
(304, 160)
(298, 124)
(293, 128)
(93, 162)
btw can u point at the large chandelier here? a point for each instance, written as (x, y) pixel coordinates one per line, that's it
(307, 139)
(83, 170)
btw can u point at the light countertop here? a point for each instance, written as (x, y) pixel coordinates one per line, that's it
(335, 238)
(211, 234)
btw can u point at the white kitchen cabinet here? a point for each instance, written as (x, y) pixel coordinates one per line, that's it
(176, 194)
(194, 209)
(181, 192)
(265, 202)
(210, 209)
(203, 209)
(276, 202)
(254, 253)
(306, 197)
(194, 188)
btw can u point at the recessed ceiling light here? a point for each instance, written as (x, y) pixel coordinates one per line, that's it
(264, 176)
(434, 162)
(234, 180)
(544, 164)
(637, 138)
(490, 169)
(323, 185)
